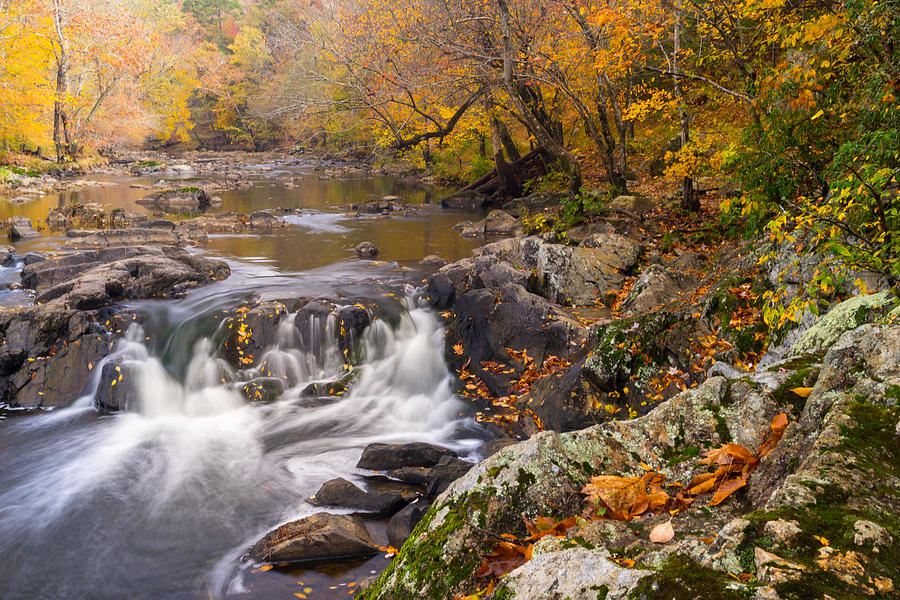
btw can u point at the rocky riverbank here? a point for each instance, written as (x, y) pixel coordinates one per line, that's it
(626, 367)
(593, 356)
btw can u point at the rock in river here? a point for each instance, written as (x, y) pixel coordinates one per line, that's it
(340, 492)
(95, 278)
(322, 536)
(383, 457)
(367, 250)
(20, 228)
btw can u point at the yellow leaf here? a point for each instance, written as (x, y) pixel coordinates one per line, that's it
(803, 392)
(817, 115)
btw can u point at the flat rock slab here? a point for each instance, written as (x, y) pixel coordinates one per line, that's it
(384, 457)
(322, 536)
(95, 278)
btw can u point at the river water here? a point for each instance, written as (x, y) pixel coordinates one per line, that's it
(163, 501)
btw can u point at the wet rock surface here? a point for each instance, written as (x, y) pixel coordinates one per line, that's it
(91, 279)
(46, 353)
(384, 457)
(322, 536)
(343, 493)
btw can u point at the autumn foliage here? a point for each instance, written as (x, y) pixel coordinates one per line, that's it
(625, 498)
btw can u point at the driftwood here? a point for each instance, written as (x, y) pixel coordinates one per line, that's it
(491, 190)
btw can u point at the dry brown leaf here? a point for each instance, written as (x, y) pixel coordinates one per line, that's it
(662, 533)
(506, 558)
(727, 489)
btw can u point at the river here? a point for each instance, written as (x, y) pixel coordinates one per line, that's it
(163, 501)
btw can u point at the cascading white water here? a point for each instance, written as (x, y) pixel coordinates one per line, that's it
(153, 501)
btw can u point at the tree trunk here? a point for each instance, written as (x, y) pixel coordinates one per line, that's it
(512, 151)
(690, 201)
(62, 134)
(510, 181)
(544, 137)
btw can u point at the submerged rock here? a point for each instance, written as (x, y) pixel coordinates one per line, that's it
(322, 536)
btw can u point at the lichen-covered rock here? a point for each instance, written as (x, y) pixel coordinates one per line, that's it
(656, 286)
(847, 315)
(834, 475)
(575, 573)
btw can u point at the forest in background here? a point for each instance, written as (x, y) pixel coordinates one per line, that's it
(794, 101)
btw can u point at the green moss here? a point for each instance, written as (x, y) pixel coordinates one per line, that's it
(676, 455)
(721, 424)
(787, 399)
(679, 578)
(146, 164)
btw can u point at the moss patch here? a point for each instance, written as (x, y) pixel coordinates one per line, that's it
(679, 578)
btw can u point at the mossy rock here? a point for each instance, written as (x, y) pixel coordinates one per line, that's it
(847, 315)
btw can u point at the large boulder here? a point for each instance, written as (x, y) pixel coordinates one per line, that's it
(95, 278)
(20, 228)
(815, 514)
(321, 536)
(46, 355)
(656, 286)
(488, 323)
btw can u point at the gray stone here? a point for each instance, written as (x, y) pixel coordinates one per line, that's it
(20, 228)
(343, 493)
(782, 531)
(871, 534)
(576, 574)
(7, 255)
(636, 205)
(95, 278)
(656, 286)
(384, 457)
(499, 222)
(402, 524)
(321, 536)
(264, 220)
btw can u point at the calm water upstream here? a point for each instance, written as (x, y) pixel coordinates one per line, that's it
(163, 501)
